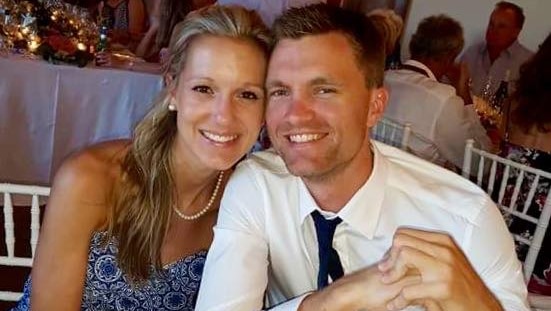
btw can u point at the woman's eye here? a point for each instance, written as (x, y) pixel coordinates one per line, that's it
(249, 95)
(202, 89)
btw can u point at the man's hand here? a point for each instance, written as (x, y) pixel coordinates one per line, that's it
(449, 282)
(361, 290)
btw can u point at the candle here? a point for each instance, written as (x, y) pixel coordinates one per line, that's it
(33, 45)
(81, 46)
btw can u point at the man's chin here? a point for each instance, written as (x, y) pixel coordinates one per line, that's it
(303, 169)
(299, 169)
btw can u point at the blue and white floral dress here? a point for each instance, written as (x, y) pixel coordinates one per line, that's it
(107, 287)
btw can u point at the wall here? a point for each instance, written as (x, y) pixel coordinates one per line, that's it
(474, 14)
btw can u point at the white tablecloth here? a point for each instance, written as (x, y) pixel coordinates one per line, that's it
(49, 111)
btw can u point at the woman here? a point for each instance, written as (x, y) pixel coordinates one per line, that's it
(129, 222)
(171, 13)
(528, 141)
(125, 20)
(163, 17)
(390, 25)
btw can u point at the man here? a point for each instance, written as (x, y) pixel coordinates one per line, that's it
(334, 203)
(440, 120)
(489, 61)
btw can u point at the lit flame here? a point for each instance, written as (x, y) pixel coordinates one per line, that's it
(33, 45)
(81, 46)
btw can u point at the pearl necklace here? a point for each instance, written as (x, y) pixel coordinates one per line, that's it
(209, 204)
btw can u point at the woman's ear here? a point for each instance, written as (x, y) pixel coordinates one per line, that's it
(168, 80)
(377, 105)
(171, 92)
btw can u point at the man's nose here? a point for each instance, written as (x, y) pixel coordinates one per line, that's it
(300, 108)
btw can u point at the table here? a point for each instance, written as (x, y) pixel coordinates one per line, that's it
(49, 111)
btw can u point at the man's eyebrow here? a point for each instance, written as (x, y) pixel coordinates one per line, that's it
(323, 80)
(274, 83)
(315, 81)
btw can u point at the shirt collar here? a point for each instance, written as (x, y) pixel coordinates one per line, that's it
(513, 48)
(363, 210)
(509, 51)
(420, 65)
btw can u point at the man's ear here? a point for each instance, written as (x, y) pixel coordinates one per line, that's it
(377, 105)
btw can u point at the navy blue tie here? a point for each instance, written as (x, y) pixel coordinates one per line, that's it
(330, 263)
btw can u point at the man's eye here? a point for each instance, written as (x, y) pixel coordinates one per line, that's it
(325, 90)
(279, 93)
(202, 89)
(249, 95)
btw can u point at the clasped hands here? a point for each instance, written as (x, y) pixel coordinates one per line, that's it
(421, 268)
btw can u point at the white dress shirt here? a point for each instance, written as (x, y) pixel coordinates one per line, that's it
(480, 67)
(269, 10)
(440, 121)
(265, 240)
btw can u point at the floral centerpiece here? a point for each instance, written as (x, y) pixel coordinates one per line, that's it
(57, 31)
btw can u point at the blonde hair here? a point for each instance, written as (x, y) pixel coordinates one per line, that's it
(142, 200)
(389, 24)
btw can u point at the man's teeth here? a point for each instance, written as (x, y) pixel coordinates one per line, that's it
(219, 138)
(304, 138)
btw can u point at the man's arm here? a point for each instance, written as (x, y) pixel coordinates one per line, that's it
(485, 275)
(235, 273)
(454, 126)
(460, 79)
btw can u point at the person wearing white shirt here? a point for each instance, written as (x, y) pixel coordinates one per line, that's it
(269, 10)
(489, 61)
(439, 118)
(308, 227)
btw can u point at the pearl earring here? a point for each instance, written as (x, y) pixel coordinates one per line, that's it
(171, 107)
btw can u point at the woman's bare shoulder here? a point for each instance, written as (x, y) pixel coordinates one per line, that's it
(86, 179)
(96, 161)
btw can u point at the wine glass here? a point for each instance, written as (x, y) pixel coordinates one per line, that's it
(486, 92)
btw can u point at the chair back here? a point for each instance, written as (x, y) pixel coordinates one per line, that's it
(24, 193)
(494, 175)
(392, 133)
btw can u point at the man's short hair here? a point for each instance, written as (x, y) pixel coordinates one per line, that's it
(437, 37)
(519, 13)
(321, 18)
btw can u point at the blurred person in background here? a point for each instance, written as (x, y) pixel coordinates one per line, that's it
(125, 19)
(390, 25)
(489, 61)
(441, 118)
(528, 141)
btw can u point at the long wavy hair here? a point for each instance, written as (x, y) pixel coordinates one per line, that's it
(532, 96)
(142, 200)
